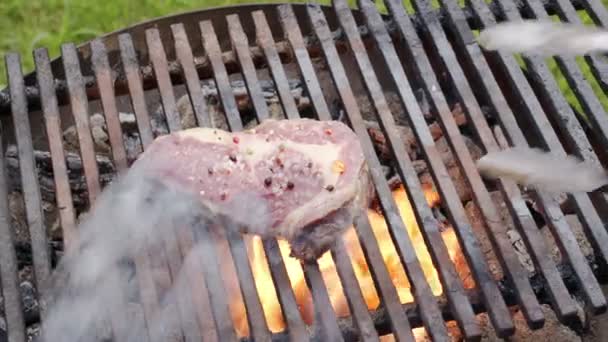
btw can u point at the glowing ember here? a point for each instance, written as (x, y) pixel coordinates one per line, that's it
(267, 293)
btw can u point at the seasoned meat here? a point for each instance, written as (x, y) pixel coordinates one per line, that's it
(309, 176)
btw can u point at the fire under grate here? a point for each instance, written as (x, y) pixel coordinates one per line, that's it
(422, 97)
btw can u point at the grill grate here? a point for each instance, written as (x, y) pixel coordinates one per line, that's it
(433, 50)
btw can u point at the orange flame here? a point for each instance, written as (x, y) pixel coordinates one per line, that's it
(266, 289)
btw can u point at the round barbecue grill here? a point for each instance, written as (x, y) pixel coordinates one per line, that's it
(425, 101)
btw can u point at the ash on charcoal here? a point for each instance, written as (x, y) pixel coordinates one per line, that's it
(33, 332)
(128, 121)
(368, 110)
(381, 142)
(581, 240)
(383, 150)
(423, 102)
(44, 166)
(459, 180)
(101, 140)
(479, 229)
(3, 336)
(552, 331)
(184, 108)
(243, 101)
(95, 276)
(16, 207)
(133, 145)
(19, 223)
(31, 308)
(98, 131)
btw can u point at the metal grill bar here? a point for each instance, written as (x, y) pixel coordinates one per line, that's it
(295, 324)
(429, 310)
(167, 263)
(185, 311)
(80, 111)
(186, 60)
(264, 39)
(101, 66)
(553, 214)
(8, 269)
(555, 218)
(255, 314)
(240, 44)
(147, 289)
(220, 75)
(185, 236)
(202, 64)
(599, 68)
(29, 179)
(590, 103)
(324, 313)
(53, 132)
(217, 293)
(345, 271)
(165, 88)
(198, 287)
(206, 312)
(174, 121)
(400, 326)
(458, 301)
(564, 303)
(358, 307)
(496, 231)
(131, 67)
(597, 11)
(119, 155)
(292, 33)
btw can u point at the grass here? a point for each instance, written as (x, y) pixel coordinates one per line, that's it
(28, 24)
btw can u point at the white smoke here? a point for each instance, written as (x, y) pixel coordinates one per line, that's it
(542, 170)
(92, 286)
(544, 37)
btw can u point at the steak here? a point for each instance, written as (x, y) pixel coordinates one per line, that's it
(302, 180)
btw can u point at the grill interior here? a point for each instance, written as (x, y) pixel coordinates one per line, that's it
(345, 63)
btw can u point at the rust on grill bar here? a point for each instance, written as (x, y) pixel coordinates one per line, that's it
(397, 80)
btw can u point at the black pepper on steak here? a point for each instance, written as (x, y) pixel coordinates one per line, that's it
(268, 181)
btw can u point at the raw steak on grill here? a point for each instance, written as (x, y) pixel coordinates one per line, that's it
(310, 177)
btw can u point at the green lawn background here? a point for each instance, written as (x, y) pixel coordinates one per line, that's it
(28, 24)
